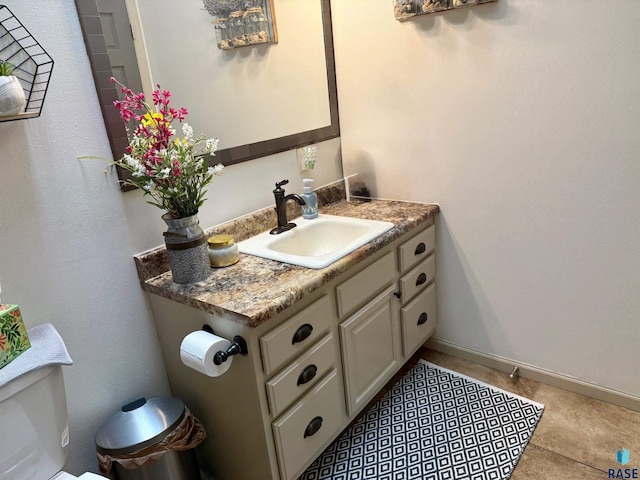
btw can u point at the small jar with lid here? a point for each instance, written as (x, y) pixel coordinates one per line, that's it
(256, 25)
(223, 33)
(237, 29)
(222, 250)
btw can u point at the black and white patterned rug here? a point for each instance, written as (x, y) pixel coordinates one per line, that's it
(433, 424)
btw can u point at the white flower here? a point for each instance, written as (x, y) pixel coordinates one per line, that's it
(215, 170)
(149, 186)
(164, 173)
(132, 162)
(212, 144)
(140, 171)
(187, 161)
(187, 131)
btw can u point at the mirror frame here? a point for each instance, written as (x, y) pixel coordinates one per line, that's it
(107, 94)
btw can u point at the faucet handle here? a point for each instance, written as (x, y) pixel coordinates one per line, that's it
(279, 184)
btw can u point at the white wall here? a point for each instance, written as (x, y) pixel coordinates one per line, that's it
(68, 235)
(521, 119)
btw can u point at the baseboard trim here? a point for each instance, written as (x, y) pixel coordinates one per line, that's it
(538, 374)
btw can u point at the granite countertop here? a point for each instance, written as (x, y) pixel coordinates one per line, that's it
(255, 289)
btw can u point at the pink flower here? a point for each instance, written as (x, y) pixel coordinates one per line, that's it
(177, 170)
(161, 97)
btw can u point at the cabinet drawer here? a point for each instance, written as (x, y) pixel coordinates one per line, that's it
(302, 432)
(417, 248)
(294, 335)
(301, 375)
(418, 320)
(418, 278)
(365, 285)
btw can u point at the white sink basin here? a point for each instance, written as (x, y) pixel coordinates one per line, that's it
(315, 243)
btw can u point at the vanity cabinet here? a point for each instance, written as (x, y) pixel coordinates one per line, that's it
(312, 368)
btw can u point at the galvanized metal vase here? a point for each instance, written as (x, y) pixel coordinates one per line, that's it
(187, 249)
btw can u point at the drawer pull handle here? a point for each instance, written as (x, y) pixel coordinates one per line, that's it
(421, 248)
(421, 279)
(307, 374)
(397, 294)
(302, 333)
(422, 319)
(313, 427)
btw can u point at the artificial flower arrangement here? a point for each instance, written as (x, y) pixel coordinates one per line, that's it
(173, 171)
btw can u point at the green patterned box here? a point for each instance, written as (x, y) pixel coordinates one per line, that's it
(13, 334)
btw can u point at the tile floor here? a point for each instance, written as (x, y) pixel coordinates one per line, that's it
(577, 437)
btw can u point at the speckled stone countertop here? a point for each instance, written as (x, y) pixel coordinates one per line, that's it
(255, 289)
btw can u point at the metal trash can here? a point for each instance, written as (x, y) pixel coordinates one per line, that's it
(150, 439)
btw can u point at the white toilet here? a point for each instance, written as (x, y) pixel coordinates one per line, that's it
(34, 433)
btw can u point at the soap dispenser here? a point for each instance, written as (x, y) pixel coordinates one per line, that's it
(310, 210)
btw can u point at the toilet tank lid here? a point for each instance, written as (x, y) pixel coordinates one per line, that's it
(139, 424)
(47, 348)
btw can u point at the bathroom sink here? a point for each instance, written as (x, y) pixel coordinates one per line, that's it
(315, 243)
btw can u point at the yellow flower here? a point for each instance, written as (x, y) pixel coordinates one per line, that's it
(178, 141)
(152, 119)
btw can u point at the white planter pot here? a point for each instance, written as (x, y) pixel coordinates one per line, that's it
(12, 99)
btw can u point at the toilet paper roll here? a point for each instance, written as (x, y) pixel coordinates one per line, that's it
(197, 350)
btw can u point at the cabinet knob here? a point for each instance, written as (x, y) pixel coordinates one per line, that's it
(302, 333)
(398, 294)
(313, 427)
(421, 279)
(422, 319)
(307, 374)
(420, 249)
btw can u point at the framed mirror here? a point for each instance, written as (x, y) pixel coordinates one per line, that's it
(247, 148)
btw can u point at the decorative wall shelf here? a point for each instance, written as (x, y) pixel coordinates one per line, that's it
(33, 64)
(404, 9)
(242, 23)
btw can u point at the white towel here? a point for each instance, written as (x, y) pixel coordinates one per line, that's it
(47, 348)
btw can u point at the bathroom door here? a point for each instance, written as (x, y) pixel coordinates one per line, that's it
(118, 36)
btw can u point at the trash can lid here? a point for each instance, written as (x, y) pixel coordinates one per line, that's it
(139, 424)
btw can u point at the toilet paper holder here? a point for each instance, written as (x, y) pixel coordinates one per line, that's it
(239, 346)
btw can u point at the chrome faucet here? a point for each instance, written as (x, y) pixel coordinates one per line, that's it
(281, 207)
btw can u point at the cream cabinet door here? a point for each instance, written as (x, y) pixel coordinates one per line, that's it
(370, 341)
